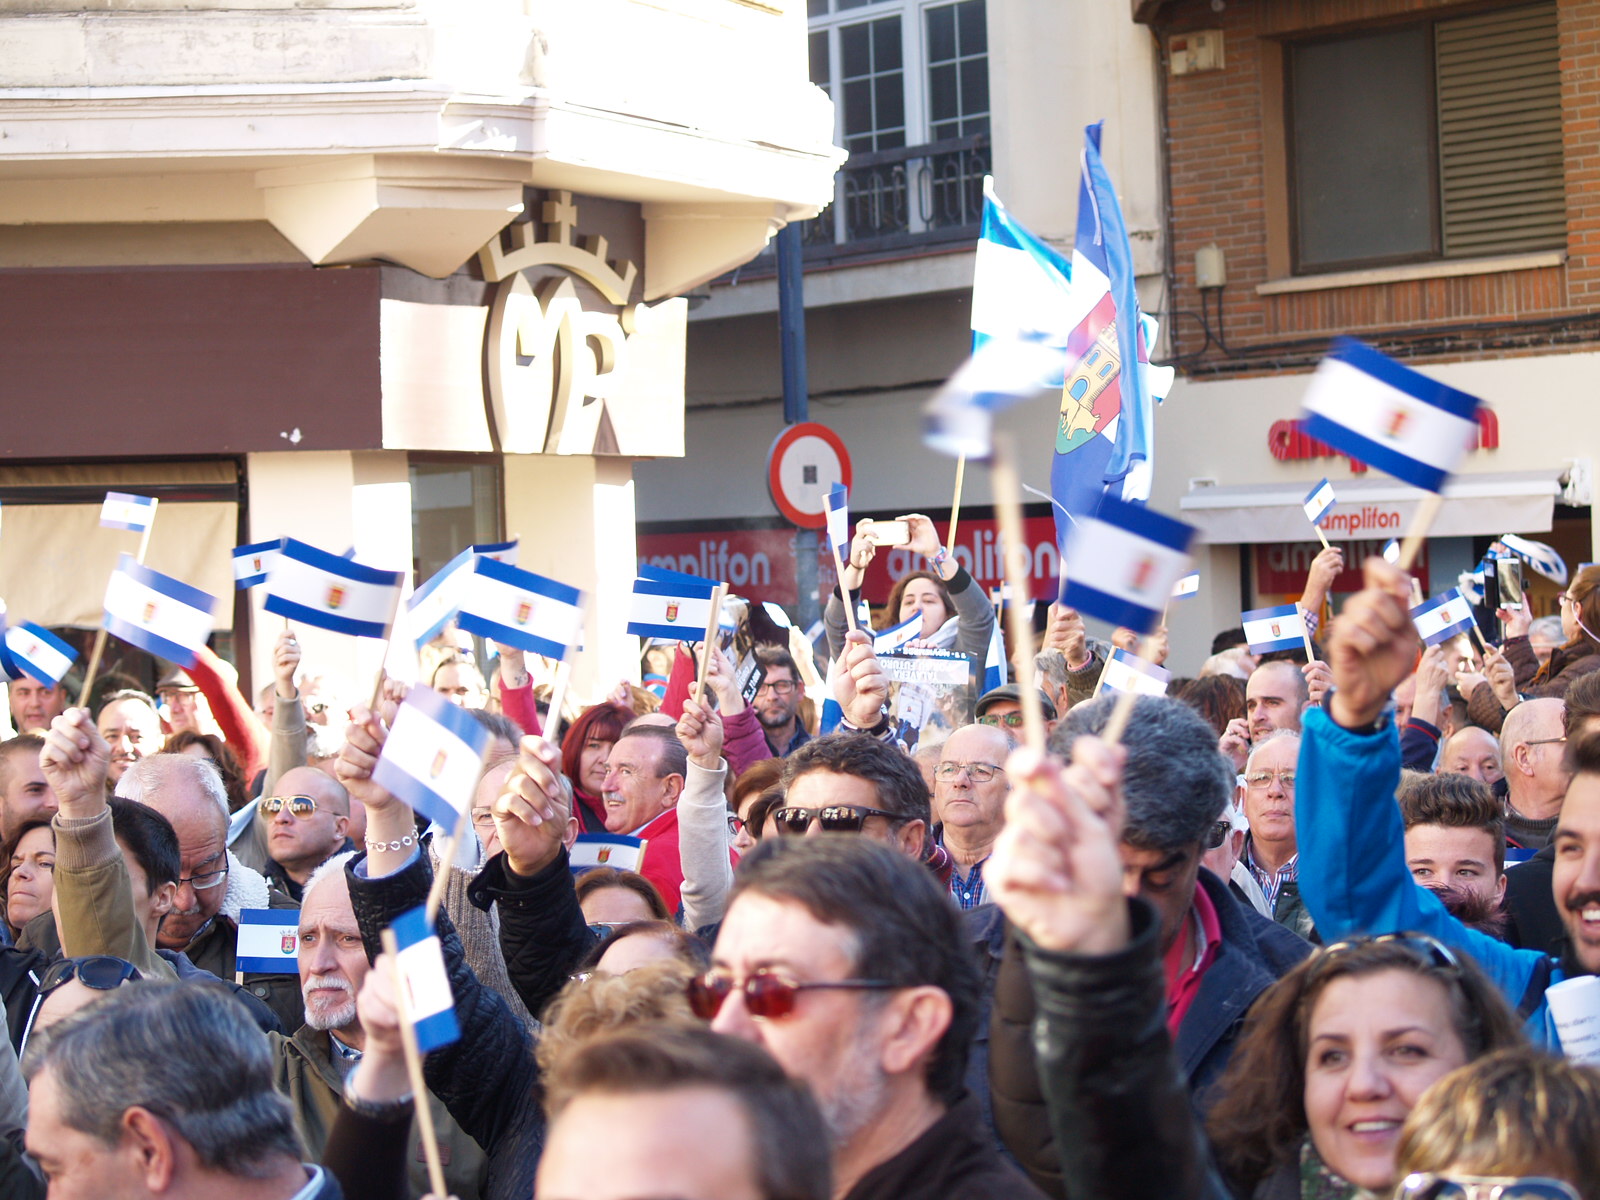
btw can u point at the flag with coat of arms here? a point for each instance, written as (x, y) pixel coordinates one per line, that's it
(432, 757)
(332, 592)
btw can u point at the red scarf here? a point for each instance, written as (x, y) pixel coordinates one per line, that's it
(1184, 972)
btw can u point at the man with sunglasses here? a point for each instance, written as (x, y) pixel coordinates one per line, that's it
(855, 783)
(307, 816)
(848, 964)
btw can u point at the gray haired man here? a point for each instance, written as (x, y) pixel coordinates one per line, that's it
(165, 1090)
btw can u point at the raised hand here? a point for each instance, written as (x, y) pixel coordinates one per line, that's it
(1056, 869)
(862, 552)
(924, 537)
(285, 662)
(700, 731)
(381, 1077)
(1515, 621)
(74, 762)
(364, 738)
(513, 665)
(1066, 633)
(531, 812)
(720, 679)
(859, 684)
(1318, 680)
(1502, 678)
(1325, 568)
(1372, 646)
(1235, 743)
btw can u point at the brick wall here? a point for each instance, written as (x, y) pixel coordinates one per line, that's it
(1226, 180)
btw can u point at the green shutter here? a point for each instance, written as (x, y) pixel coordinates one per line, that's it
(1500, 177)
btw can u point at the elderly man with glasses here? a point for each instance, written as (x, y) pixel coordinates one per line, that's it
(1271, 854)
(969, 800)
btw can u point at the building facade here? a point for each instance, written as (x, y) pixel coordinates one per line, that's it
(387, 275)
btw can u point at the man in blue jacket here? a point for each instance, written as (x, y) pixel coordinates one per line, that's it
(1353, 874)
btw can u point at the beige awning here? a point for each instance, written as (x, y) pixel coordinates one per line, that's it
(55, 558)
(1474, 505)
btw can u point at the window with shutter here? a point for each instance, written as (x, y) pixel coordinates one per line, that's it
(1433, 140)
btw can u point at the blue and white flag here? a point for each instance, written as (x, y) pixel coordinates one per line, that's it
(1542, 558)
(1280, 628)
(122, 511)
(157, 613)
(838, 518)
(435, 604)
(1121, 564)
(1126, 672)
(269, 941)
(502, 552)
(329, 592)
(34, 651)
(1318, 501)
(1105, 430)
(518, 608)
(959, 417)
(252, 563)
(430, 1006)
(432, 756)
(1188, 586)
(1441, 618)
(670, 604)
(994, 660)
(606, 850)
(887, 641)
(1366, 405)
(1391, 551)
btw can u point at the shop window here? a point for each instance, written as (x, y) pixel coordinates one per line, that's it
(1433, 140)
(453, 505)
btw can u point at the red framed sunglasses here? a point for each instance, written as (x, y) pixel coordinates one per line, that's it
(767, 993)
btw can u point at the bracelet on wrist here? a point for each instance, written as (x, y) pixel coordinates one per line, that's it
(410, 839)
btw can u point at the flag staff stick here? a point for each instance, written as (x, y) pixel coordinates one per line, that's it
(99, 650)
(1321, 537)
(447, 855)
(419, 1085)
(955, 504)
(1112, 734)
(1418, 533)
(1305, 634)
(1008, 506)
(844, 592)
(558, 701)
(708, 645)
(388, 638)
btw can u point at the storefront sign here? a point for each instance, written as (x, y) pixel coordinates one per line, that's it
(1280, 569)
(760, 563)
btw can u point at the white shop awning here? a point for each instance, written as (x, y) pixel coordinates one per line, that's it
(1486, 505)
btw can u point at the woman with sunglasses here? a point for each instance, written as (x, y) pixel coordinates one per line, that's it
(1332, 1059)
(1484, 1132)
(956, 614)
(1579, 655)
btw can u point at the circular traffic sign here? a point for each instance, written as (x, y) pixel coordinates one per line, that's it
(804, 463)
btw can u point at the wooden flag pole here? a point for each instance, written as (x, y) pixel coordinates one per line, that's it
(419, 1084)
(1418, 533)
(1305, 634)
(1321, 537)
(955, 505)
(1008, 506)
(844, 592)
(558, 700)
(388, 637)
(708, 643)
(447, 855)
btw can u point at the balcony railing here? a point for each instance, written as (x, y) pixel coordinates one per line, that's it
(894, 201)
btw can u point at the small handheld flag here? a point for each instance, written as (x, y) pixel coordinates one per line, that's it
(887, 641)
(269, 941)
(1366, 405)
(1270, 629)
(123, 511)
(1318, 501)
(1541, 557)
(429, 1005)
(994, 660)
(1122, 564)
(607, 850)
(503, 552)
(670, 604)
(252, 563)
(838, 519)
(1188, 586)
(34, 651)
(329, 592)
(157, 613)
(432, 757)
(1441, 618)
(435, 604)
(959, 417)
(518, 608)
(1126, 672)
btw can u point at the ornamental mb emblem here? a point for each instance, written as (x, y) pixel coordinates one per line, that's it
(439, 761)
(672, 610)
(287, 944)
(335, 597)
(524, 611)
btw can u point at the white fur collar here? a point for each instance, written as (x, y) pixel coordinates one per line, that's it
(247, 888)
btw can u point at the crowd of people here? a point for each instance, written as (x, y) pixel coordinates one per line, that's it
(1315, 927)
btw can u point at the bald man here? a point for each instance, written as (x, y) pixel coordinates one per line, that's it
(1274, 697)
(1472, 750)
(1532, 743)
(308, 822)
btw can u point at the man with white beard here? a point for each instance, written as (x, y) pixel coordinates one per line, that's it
(311, 1067)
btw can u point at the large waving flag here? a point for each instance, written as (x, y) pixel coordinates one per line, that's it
(157, 613)
(1105, 433)
(330, 592)
(1366, 405)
